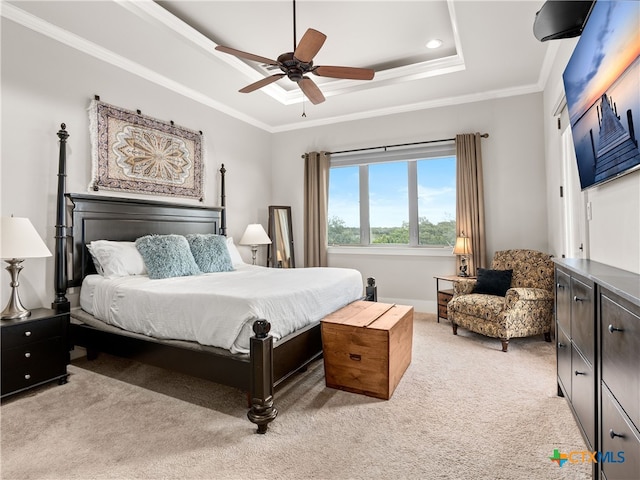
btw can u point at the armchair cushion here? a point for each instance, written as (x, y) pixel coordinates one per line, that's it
(485, 307)
(493, 282)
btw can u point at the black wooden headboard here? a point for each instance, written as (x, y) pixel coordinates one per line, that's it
(92, 217)
(80, 219)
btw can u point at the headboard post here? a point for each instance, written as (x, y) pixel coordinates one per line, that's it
(61, 303)
(223, 213)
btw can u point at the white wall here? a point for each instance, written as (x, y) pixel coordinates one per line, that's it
(514, 174)
(45, 83)
(613, 233)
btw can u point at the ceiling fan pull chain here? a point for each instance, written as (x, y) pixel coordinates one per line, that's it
(304, 114)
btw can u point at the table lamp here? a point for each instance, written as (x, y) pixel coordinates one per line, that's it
(463, 249)
(19, 241)
(254, 236)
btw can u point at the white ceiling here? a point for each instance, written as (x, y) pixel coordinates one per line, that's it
(489, 50)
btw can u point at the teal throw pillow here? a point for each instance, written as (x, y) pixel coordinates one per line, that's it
(167, 256)
(210, 252)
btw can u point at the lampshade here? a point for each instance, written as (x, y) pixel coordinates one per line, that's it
(255, 235)
(462, 246)
(20, 239)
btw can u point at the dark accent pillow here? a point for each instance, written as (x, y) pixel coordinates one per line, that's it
(493, 282)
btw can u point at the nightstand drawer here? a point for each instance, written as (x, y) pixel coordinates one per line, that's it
(31, 364)
(27, 332)
(444, 296)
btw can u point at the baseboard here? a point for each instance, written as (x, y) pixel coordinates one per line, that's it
(423, 306)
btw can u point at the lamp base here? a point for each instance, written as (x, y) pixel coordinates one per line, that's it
(14, 308)
(463, 268)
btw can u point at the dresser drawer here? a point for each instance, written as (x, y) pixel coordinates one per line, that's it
(583, 395)
(620, 333)
(34, 363)
(620, 442)
(563, 301)
(583, 319)
(26, 332)
(563, 350)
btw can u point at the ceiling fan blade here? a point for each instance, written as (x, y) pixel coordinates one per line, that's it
(311, 90)
(261, 83)
(351, 73)
(309, 45)
(245, 55)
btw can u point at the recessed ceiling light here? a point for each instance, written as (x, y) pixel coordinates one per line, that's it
(435, 43)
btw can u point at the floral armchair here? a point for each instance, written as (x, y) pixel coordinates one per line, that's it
(526, 308)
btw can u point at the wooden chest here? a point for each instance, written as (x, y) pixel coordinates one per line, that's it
(367, 347)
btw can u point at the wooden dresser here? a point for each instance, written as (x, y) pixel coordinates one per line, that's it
(35, 350)
(598, 360)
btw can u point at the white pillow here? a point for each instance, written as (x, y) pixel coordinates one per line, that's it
(116, 259)
(236, 259)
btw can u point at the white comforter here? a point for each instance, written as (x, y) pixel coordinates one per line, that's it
(218, 309)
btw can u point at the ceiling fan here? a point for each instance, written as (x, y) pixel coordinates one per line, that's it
(297, 64)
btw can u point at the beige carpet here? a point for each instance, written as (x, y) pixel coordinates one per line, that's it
(463, 410)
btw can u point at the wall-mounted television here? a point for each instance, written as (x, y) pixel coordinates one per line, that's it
(602, 87)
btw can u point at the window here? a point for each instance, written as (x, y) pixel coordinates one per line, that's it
(402, 197)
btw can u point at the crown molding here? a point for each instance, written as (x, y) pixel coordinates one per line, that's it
(152, 12)
(83, 45)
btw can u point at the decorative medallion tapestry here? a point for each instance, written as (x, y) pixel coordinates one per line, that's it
(135, 153)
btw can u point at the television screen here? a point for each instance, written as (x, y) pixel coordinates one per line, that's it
(602, 87)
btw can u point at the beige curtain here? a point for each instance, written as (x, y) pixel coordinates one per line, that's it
(316, 197)
(470, 198)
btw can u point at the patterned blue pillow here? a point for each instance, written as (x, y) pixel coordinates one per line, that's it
(167, 256)
(210, 252)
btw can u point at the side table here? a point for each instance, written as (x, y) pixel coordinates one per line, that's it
(446, 294)
(35, 350)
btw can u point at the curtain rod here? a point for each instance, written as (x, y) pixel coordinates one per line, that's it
(484, 135)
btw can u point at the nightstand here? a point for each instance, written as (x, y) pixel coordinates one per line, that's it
(35, 350)
(445, 295)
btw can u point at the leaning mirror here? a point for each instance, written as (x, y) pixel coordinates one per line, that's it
(280, 252)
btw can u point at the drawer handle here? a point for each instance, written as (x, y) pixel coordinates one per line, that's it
(27, 376)
(615, 329)
(27, 354)
(27, 333)
(355, 357)
(613, 434)
(577, 299)
(560, 286)
(579, 373)
(561, 345)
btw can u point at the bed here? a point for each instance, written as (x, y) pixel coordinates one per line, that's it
(256, 363)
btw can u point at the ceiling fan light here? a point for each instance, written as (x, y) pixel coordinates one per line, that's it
(435, 43)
